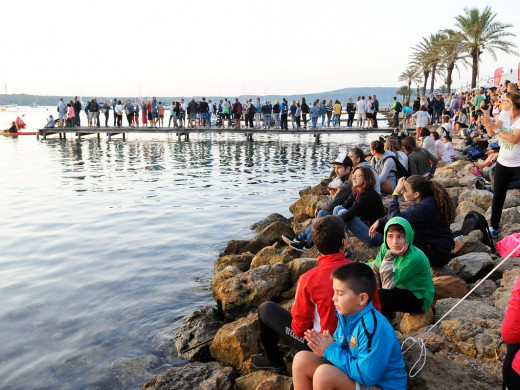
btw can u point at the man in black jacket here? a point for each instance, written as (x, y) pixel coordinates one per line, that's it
(77, 109)
(342, 168)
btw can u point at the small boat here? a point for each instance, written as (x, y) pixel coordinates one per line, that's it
(16, 133)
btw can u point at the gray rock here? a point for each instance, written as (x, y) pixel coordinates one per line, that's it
(241, 262)
(126, 372)
(235, 247)
(470, 243)
(193, 338)
(268, 255)
(481, 198)
(274, 232)
(465, 308)
(203, 376)
(275, 217)
(244, 292)
(299, 266)
(469, 265)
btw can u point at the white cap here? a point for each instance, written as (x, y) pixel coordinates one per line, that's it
(336, 183)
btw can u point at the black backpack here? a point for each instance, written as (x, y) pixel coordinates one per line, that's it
(400, 170)
(398, 107)
(252, 109)
(476, 221)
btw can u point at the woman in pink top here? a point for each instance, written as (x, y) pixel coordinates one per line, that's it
(70, 115)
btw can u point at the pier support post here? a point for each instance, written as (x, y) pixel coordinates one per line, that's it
(109, 135)
(124, 136)
(316, 138)
(98, 136)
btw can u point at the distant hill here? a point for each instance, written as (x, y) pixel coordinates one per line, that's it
(384, 95)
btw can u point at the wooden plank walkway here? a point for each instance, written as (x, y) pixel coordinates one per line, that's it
(185, 132)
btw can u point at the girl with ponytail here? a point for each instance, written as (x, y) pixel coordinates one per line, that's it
(430, 216)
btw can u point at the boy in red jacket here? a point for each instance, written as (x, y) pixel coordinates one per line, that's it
(313, 306)
(511, 335)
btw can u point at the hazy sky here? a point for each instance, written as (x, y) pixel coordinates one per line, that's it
(172, 48)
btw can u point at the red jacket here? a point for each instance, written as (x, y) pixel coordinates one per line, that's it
(511, 325)
(313, 306)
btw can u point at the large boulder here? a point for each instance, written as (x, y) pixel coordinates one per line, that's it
(359, 251)
(469, 265)
(241, 262)
(268, 255)
(455, 192)
(273, 233)
(447, 181)
(235, 247)
(413, 322)
(466, 206)
(307, 204)
(470, 244)
(237, 341)
(476, 308)
(300, 224)
(502, 294)
(192, 338)
(263, 380)
(275, 217)
(476, 337)
(449, 287)
(299, 266)
(244, 292)
(481, 198)
(203, 376)
(320, 189)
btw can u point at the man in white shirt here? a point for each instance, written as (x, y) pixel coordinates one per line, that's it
(361, 111)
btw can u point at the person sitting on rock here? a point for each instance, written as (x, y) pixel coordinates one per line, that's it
(404, 271)
(313, 306)
(430, 215)
(511, 335)
(364, 353)
(363, 207)
(420, 161)
(342, 168)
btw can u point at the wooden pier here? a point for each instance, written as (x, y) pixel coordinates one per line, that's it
(80, 132)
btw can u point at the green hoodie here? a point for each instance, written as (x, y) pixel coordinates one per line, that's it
(412, 270)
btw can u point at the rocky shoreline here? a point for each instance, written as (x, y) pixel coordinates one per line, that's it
(465, 351)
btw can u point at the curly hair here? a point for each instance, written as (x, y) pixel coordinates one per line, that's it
(425, 187)
(368, 175)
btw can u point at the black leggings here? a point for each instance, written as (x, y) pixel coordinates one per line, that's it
(398, 299)
(437, 256)
(510, 376)
(275, 322)
(502, 178)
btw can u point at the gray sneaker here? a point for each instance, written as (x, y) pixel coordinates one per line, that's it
(289, 240)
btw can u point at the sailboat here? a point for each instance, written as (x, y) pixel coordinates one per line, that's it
(6, 104)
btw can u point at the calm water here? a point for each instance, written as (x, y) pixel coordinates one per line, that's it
(107, 246)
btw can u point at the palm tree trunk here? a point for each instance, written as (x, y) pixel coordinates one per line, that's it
(450, 68)
(434, 67)
(409, 90)
(426, 74)
(474, 69)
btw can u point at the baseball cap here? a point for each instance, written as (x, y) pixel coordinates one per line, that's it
(343, 159)
(336, 183)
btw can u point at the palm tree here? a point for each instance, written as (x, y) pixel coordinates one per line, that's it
(403, 91)
(410, 75)
(452, 51)
(479, 31)
(427, 56)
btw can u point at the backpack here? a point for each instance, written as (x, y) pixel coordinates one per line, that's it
(252, 109)
(398, 107)
(225, 109)
(475, 153)
(476, 221)
(400, 170)
(284, 109)
(238, 110)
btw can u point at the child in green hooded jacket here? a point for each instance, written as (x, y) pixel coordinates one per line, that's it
(404, 271)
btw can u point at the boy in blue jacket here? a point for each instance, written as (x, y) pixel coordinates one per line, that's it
(364, 353)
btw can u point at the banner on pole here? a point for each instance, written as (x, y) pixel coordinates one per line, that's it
(498, 76)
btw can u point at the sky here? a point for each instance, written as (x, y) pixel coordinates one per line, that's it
(217, 48)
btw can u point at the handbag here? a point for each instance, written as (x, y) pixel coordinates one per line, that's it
(127, 111)
(507, 244)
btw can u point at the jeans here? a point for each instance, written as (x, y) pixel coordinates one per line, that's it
(257, 120)
(276, 116)
(359, 228)
(76, 117)
(306, 235)
(267, 120)
(106, 118)
(209, 120)
(329, 118)
(314, 120)
(323, 119)
(335, 120)
(396, 120)
(350, 120)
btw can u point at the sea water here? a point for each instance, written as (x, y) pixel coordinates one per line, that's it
(106, 246)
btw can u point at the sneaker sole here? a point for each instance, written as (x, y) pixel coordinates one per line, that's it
(287, 240)
(277, 370)
(299, 250)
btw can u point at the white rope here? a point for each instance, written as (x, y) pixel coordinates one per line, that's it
(419, 340)
(422, 357)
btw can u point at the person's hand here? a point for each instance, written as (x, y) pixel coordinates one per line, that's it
(400, 185)
(318, 342)
(401, 251)
(373, 229)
